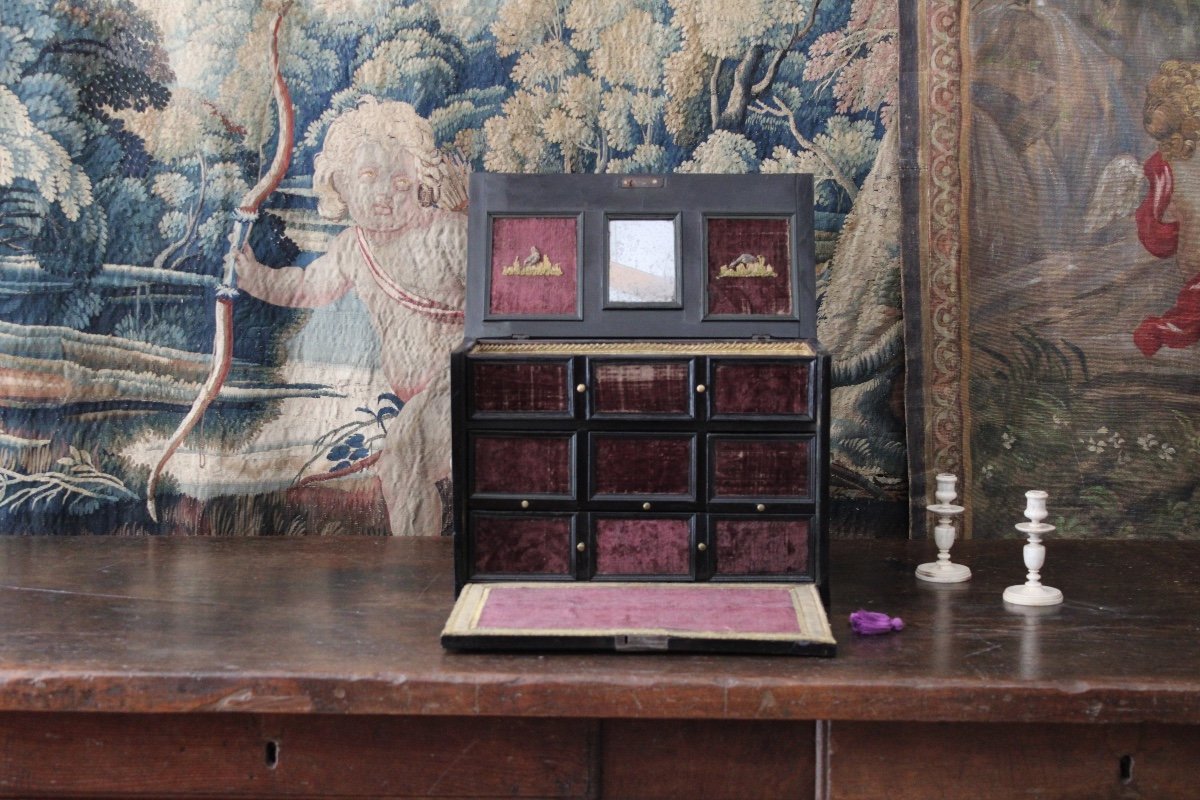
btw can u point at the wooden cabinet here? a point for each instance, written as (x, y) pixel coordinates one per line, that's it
(595, 464)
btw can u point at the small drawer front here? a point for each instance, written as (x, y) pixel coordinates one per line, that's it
(522, 544)
(521, 387)
(760, 546)
(776, 467)
(625, 465)
(762, 388)
(522, 464)
(647, 388)
(625, 546)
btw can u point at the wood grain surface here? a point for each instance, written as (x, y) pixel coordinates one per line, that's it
(350, 626)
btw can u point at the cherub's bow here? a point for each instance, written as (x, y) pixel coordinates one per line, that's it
(244, 216)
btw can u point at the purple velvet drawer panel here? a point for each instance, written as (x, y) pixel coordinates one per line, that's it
(642, 546)
(648, 387)
(522, 544)
(520, 464)
(761, 467)
(625, 464)
(774, 388)
(521, 387)
(760, 546)
(749, 266)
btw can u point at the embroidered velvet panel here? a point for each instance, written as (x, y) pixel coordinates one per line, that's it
(642, 465)
(627, 388)
(734, 240)
(758, 388)
(535, 545)
(640, 546)
(530, 387)
(531, 250)
(761, 467)
(522, 465)
(761, 547)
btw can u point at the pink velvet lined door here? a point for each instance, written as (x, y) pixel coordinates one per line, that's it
(522, 544)
(748, 467)
(641, 387)
(522, 465)
(626, 546)
(744, 388)
(636, 465)
(521, 387)
(761, 546)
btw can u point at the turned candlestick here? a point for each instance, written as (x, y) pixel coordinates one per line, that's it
(944, 570)
(1032, 592)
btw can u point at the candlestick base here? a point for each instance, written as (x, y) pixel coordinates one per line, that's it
(939, 572)
(1033, 595)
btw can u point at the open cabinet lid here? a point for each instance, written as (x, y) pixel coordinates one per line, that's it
(774, 618)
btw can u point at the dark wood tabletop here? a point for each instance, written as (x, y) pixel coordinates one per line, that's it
(351, 625)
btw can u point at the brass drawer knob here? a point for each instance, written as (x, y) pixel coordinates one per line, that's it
(701, 388)
(581, 388)
(524, 504)
(645, 506)
(581, 547)
(702, 547)
(760, 507)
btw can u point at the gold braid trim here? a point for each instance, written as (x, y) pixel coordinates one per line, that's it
(644, 348)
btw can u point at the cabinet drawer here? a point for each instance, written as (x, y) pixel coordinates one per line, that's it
(522, 544)
(659, 388)
(761, 388)
(762, 546)
(642, 545)
(635, 465)
(761, 467)
(522, 464)
(540, 387)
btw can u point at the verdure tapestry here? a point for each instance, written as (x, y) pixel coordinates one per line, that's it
(232, 232)
(1060, 270)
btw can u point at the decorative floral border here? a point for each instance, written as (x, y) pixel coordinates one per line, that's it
(940, 64)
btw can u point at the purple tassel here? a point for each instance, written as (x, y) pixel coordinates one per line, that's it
(870, 623)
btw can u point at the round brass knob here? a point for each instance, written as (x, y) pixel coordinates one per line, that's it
(581, 388)
(645, 506)
(702, 547)
(701, 388)
(581, 547)
(524, 504)
(760, 507)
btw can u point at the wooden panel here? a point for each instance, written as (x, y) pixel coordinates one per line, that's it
(1001, 761)
(226, 755)
(706, 760)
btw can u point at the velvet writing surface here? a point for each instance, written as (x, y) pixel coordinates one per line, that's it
(534, 266)
(761, 546)
(761, 388)
(522, 544)
(641, 388)
(761, 467)
(641, 546)
(739, 252)
(521, 465)
(681, 608)
(642, 465)
(520, 387)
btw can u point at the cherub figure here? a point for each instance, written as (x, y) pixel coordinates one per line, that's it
(1168, 220)
(404, 253)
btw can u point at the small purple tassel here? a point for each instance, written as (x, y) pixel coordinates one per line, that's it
(870, 623)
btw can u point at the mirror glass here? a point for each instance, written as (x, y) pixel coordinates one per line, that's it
(642, 261)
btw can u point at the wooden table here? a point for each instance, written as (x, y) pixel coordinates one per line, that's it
(311, 667)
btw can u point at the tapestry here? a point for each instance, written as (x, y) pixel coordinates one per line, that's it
(1060, 288)
(232, 232)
